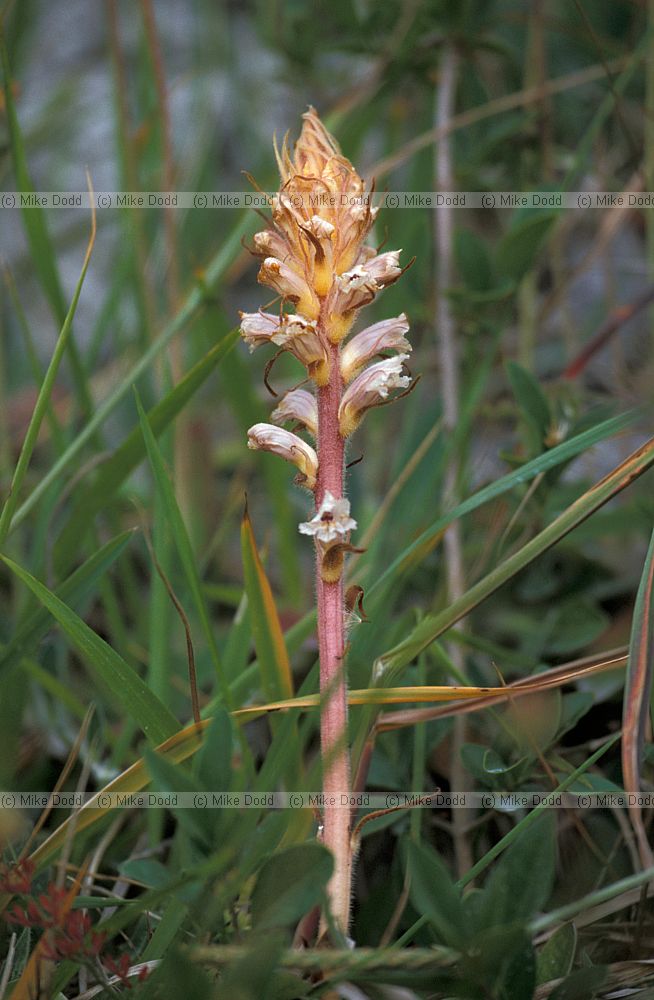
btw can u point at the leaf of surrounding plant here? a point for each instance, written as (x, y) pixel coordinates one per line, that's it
(135, 697)
(276, 679)
(75, 588)
(131, 452)
(512, 893)
(45, 391)
(550, 459)
(168, 777)
(555, 958)
(217, 266)
(213, 765)
(182, 543)
(532, 403)
(434, 894)
(392, 662)
(289, 884)
(581, 985)
(519, 247)
(636, 703)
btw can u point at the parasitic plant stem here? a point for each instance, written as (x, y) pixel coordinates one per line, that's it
(331, 643)
(316, 258)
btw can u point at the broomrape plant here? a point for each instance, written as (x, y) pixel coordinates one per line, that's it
(317, 258)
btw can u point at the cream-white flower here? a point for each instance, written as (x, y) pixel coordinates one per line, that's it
(259, 328)
(298, 405)
(354, 288)
(388, 335)
(331, 522)
(267, 437)
(293, 332)
(288, 283)
(370, 388)
(385, 268)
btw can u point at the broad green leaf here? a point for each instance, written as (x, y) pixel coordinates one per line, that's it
(130, 692)
(78, 585)
(289, 884)
(512, 893)
(276, 679)
(131, 452)
(389, 665)
(434, 894)
(555, 958)
(581, 985)
(182, 543)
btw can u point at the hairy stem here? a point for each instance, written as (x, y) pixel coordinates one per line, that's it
(331, 642)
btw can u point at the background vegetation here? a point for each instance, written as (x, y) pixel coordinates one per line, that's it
(124, 400)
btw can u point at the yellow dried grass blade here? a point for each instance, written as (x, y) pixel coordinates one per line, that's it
(276, 678)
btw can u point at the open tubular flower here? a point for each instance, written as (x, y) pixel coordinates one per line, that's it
(331, 522)
(300, 406)
(267, 437)
(370, 389)
(385, 336)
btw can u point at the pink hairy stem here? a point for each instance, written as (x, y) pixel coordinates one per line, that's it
(331, 642)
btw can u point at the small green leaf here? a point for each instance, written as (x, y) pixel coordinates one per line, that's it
(473, 261)
(532, 403)
(521, 244)
(512, 893)
(289, 884)
(555, 958)
(213, 764)
(434, 894)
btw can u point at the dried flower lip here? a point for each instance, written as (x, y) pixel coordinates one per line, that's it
(370, 388)
(387, 335)
(300, 406)
(290, 331)
(267, 437)
(331, 522)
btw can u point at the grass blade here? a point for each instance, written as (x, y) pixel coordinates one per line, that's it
(132, 451)
(105, 663)
(43, 398)
(193, 302)
(79, 583)
(555, 456)
(275, 668)
(182, 542)
(392, 662)
(636, 706)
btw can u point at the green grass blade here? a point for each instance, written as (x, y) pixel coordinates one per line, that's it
(81, 582)
(43, 399)
(430, 628)
(42, 251)
(555, 456)
(132, 451)
(133, 695)
(192, 304)
(182, 543)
